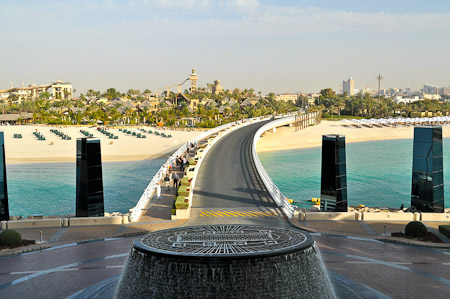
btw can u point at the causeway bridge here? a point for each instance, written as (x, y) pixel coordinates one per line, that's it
(229, 189)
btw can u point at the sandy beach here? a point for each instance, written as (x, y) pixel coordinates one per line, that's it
(285, 138)
(29, 149)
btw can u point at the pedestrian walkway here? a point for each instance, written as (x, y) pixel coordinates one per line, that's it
(380, 231)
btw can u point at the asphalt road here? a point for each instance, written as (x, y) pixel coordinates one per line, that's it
(228, 188)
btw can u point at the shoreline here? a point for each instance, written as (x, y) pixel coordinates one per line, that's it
(106, 158)
(29, 150)
(285, 138)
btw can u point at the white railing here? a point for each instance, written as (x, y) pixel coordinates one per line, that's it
(276, 194)
(148, 192)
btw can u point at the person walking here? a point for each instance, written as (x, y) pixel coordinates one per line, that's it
(167, 181)
(158, 191)
(184, 163)
(176, 178)
(180, 163)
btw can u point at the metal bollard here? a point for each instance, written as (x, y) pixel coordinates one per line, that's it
(40, 233)
(384, 234)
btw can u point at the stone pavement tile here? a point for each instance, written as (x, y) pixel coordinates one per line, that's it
(391, 227)
(34, 233)
(78, 233)
(348, 227)
(45, 285)
(435, 225)
(156, 226)
(392, 282)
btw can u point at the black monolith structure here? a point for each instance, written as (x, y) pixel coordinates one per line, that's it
(333, 189)
(427, 192)
(89, 178)
(4, 209)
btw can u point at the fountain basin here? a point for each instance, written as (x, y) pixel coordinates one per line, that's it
(225, 261)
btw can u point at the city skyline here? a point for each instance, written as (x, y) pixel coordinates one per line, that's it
(294, 46)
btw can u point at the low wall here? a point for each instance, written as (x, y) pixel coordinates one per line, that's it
(15, 224)
(338, 216)
(370, 216)
(442, 217)
(181, 214)
(83, 221)
(283, 204)
(387, 216)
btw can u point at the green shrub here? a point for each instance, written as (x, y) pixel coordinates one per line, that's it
(10, 238)
(180, 203)
(445, 230)
(416, 229)
(185, 181)
(182, 191)
(174, 208)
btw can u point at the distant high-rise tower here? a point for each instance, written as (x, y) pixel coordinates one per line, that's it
(89, 199)
(193, 79)
(333, 187)
(427, 192)
(4, 209)
(348, 87)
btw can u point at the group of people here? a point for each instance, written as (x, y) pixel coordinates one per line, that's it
(181, 162)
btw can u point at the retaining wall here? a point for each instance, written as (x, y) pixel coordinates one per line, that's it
(33, 223)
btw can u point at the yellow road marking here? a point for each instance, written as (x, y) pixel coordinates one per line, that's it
(237, 214)
(229, 213)
(222, 213)
(249, 214)
(204, 214)
(240, 213)
(215, 214)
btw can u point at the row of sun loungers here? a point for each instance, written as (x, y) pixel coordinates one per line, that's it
(61, 134)
(107, 133)
(86, 133)
(396, 122)
(39, 135)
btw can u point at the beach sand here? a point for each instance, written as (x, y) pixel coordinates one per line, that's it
(285, 138)
(54, 149)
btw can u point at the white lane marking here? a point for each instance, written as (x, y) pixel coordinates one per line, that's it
(445, 264)
(68, 266)
(363, 239)
(113, 267)
(402, 263)
(24, 272)
(32, 272)
(358, 262)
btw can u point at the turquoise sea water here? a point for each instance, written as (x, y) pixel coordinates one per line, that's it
(378, 172)
(49, 188)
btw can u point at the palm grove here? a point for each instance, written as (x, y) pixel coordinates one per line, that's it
(117, 108)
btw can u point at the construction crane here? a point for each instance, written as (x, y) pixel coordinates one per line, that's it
(168, 88)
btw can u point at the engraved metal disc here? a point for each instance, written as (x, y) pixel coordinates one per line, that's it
(224, 241)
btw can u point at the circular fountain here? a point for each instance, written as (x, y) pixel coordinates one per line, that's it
(225, 261)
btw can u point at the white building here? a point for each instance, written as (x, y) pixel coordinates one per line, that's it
(348, 87)
(286, 97)
(406, 100)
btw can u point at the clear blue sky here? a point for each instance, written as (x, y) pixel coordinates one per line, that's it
(279, 46)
